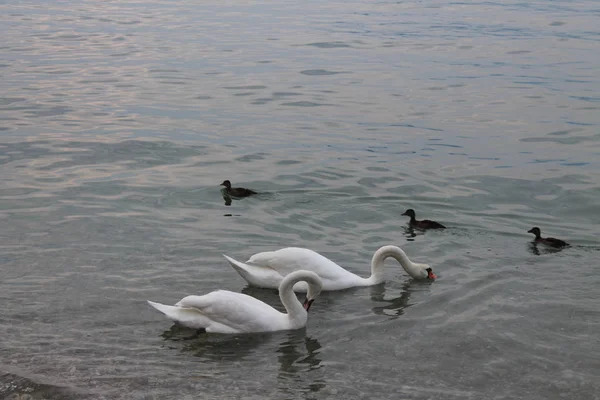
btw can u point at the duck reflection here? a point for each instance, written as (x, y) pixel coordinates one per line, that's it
(229, 195)
(538, 250)
(409, 233)
(226, 198)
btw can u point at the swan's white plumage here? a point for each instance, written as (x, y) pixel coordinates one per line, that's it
(223, 311)
(268, 268)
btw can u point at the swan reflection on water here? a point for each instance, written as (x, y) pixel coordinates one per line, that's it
(327, 308)
(297, 354)
(331, 303)
(297, 357)
(396, 305)
(216, 347)
(327, 302)
(235, 346)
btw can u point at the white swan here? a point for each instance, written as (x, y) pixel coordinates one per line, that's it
(267, 269)
(223, 311)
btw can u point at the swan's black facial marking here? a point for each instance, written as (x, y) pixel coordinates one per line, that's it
(307, 304)
(430, 274)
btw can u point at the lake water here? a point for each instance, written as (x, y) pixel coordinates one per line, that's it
(118, 121)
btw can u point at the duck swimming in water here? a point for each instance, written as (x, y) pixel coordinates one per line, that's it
(423, 224)
(557, 243)
(236, 192)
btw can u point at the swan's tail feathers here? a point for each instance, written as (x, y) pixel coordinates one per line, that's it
(189, 317)
(256, 275)
(169, 311)
(240, 267)
(244, 270)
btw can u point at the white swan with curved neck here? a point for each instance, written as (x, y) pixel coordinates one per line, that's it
(223, 311)
(267, 269)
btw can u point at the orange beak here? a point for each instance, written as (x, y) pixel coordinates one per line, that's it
(431, 275)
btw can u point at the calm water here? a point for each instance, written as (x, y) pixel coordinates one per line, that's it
(118, 120)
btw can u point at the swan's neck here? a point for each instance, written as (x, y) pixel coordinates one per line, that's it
(296, 314)
(391, 251)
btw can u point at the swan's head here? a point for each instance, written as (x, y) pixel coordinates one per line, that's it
(311, 295)
(315, 285)
(410, 213)
(430, 274)
(226, 183)
(535, 230)
(307, 303)
(422, 271)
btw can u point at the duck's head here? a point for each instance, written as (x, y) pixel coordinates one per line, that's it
(535, 230)
(226, 183)
(410, 213)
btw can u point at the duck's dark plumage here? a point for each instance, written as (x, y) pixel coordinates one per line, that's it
(236, 192)
(553, 242)
(423, 224)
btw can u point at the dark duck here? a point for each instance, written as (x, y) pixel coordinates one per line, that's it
(549, 241)
(423, 224)
(236, 192)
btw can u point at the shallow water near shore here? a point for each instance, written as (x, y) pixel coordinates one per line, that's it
(119, 120)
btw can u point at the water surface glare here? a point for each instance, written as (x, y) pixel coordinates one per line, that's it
(118, 121)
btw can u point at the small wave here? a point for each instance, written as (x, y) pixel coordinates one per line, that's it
(15, 384)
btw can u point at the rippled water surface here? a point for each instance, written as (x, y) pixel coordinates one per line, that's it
(118, 120)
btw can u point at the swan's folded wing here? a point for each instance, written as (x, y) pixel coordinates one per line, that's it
(236, 310)
(256, 275)
(292, 259)
(189, 317)
(286, 260)
(266, 259)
